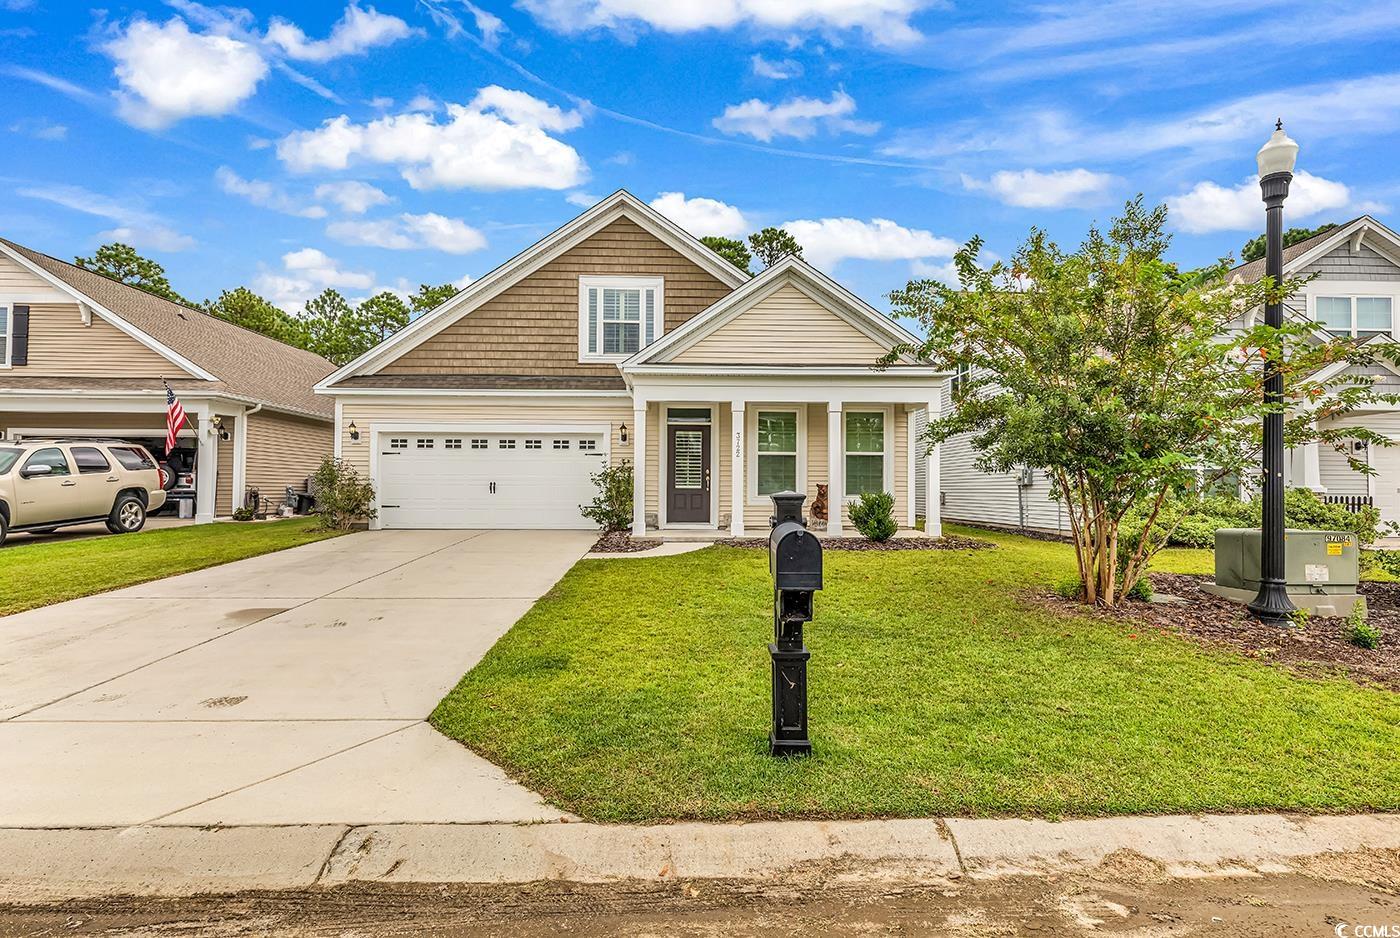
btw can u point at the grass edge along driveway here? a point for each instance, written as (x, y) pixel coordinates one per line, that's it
(637, 691)
(39, 573)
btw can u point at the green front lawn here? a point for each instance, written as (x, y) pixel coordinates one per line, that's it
(37, 572)
(637, 690)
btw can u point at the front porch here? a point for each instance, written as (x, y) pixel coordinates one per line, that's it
(706, 465)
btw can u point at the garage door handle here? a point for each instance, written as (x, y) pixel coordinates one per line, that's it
(493, 488)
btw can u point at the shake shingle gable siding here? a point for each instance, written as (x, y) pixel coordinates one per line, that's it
(532, 328)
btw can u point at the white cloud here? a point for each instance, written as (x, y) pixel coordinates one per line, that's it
(264, 194)
(488, 24)
(499, 141)
(307, 272)
(1211, 207)
(421, 102)
(40, 129)
(779, 70)
(886, 21)
(352, 196)
(1030, 188)
(356, 32)
(701, 216)
(411, 232)
(583, 199)
(135, 225)
(796, 117)
(826, 241)
(168, 73)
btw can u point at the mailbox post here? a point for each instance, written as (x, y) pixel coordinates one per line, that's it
(795, 562)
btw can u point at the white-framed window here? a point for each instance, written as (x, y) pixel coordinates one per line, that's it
(6, 318)
(618, 316)
(506, 444)
(1354, 315)
(398, 442)
(777, 445)
(961, 377)
(452, 443)
(534, 444)
(561, 444)
(867, 443)
(425, 442)
(479, 443)
(588, 446)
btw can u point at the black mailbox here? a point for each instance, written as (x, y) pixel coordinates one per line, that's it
(795, 563)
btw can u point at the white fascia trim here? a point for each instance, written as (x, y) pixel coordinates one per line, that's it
(469, 392)
(1336, 368)
(789, 271)
(721, 371)
(537, 255)
(92, 399)
(108, 316)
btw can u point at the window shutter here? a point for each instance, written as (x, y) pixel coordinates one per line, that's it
(650, 317)
(19, 336)
(592, 320)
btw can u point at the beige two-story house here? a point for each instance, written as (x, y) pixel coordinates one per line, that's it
(621, 337)
(84, 356)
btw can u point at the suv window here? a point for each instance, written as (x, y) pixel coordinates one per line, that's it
(90, 459)
(132, 457)
(8, 457)
(48, 456)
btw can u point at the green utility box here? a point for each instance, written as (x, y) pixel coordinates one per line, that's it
(1320, 570)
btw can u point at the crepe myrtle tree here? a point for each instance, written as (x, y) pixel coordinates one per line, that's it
(1131, 385)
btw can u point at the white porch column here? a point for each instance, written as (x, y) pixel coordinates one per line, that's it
(737, 488)
(913, 455)
(1310, 469)
(240, 458)
(835, 468)
(206, 468)
(639, 469)
(933, 521)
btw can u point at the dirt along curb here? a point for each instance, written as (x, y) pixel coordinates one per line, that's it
(43, 865)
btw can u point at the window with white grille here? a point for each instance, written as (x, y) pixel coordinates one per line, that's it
(507, 444)
(588, 445)
(398, 442)
(618, 316)
(478, 443)
(425, 442)
(451, 443)
(561, 444)
(534, 444)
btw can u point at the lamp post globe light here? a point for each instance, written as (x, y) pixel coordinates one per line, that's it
(1276, 162)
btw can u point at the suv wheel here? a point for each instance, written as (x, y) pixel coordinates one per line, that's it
(128, 515)
(4, 528)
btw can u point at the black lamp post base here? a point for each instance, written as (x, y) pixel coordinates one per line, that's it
(1272, 605)
(789, 747)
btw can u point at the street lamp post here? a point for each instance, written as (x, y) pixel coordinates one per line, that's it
(1276, 161)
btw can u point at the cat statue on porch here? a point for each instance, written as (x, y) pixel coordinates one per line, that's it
(818, 510)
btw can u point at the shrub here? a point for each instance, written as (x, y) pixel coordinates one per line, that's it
(1360, 631)
(612, 506)
(243, 514)
(1141, 590)
(1387, 560)
(342, 496)
(1071, 587)
(1301, 616)
(873, 515)
(1301, 507)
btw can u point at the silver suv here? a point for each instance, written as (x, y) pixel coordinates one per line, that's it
(50, 484)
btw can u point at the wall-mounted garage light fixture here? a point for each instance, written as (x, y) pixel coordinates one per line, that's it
(354, 432)
(622, 433)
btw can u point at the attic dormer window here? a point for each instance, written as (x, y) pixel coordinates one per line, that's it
(618, 316)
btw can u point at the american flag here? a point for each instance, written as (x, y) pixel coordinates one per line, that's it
(174, 417)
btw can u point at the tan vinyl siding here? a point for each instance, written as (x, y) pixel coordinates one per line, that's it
(533, 327)
(152, 421)
(654, 448)
(223, 487)
(283, 451)
(789, 326)
(17, 279)
(446, 412)
(61, 346)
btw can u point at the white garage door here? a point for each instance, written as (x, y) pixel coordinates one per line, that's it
(487, 480)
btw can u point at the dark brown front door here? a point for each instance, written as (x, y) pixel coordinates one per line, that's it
(688, 478)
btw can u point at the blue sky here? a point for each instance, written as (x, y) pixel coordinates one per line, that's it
(293, 147)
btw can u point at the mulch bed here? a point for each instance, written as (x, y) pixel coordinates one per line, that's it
(620, 542)
(946, 542)
(1318, 648)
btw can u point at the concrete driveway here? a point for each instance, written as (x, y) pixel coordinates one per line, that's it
(285, 689)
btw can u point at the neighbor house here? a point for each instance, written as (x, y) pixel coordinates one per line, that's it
(1354, 292)
(621, 337)
(82, 355)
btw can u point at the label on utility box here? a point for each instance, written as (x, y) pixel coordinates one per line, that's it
(1317, 572)
(1334, 550)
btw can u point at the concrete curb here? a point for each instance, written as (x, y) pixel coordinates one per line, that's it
(47, 865)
